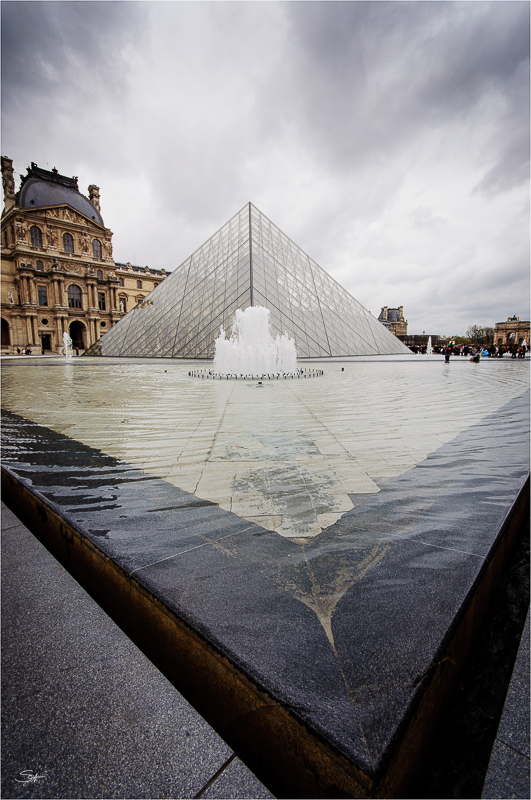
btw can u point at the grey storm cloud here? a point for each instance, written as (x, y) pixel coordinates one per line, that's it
(373, 75)
(44, 42)
(390, 140)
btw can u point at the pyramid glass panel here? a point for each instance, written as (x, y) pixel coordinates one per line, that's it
(249, 261)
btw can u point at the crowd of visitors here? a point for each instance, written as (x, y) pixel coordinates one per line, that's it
(492, 351)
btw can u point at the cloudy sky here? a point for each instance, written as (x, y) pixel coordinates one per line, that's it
(389, 140)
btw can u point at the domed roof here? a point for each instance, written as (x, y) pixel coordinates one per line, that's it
(42, 188)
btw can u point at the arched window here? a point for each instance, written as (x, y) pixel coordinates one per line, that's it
(74, 296)
(120, 281)
(99, 275)
(68, 243)
(40, 266)
(139, 284)
(96, 248)
(36, 237)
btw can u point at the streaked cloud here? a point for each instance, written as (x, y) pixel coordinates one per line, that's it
(389, 139)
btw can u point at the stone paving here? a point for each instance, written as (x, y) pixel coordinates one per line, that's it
(291, 456)
(84, 712)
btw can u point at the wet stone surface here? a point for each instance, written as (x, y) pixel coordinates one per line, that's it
(292, 456)
(342, 628)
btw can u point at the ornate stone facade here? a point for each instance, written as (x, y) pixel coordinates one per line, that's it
(393, 319)
(58, 272)
(514, 332)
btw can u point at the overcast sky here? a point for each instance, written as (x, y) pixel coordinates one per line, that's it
(389, 140)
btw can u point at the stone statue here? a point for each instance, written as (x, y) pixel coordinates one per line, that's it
(21, 230)
(108, 245)
(10, 297)
(94, 195)
(8, 182)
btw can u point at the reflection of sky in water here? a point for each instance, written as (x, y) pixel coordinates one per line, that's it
(291, 455)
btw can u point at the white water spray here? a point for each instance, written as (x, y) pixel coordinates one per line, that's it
(67, 345)
(252, 350)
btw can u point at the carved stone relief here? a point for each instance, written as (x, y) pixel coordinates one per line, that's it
(51, 236)
(67, 215)
(22, 230)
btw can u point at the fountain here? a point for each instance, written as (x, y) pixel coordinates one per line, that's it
(252, 351)
(67, 345)
(429, 350)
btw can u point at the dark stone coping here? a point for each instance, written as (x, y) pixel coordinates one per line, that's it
(325, 664)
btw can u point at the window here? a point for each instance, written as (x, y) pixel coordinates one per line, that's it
(120, 282)
(68, 243)
(74, 296)
(36, 237)
(96, 248)
(123, 304)
(101, 301)
(139, 284)
(99, 275)
(40, 266)
(42, 295)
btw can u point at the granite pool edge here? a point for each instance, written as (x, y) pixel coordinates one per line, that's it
(269, 737)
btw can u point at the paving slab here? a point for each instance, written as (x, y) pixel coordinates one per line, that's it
(322, 659)
(508, 772)
(84, 713)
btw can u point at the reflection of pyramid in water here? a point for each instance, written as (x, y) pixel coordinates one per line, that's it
(249, 261)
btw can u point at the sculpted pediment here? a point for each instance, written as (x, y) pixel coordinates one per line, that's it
(68, 214)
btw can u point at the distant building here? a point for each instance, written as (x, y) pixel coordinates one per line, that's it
(58, 273)
(513, 332)
(393, 319)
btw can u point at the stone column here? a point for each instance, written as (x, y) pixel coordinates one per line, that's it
(28, 331)
(91, 293)
(32, 291)
(59, 298)
(34, 328)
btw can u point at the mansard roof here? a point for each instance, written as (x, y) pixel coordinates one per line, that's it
(41, 187)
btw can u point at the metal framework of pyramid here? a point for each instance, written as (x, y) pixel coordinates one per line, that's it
(248, 262)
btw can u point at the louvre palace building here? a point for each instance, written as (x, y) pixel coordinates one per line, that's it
(58, 272)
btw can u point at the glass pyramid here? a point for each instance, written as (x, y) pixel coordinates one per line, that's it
(249, 261)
